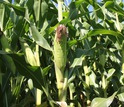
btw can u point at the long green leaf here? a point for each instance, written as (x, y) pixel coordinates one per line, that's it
(40, 40)
(101, 32)
(104, 31)
(29, 71)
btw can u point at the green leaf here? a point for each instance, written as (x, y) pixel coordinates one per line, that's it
(40, 40)
(19, 29)
(77, 62)
(73, 11)
(72, 42)
(9, 63)
(101, 32)
(80, 53)
(110, 73)
(120, 93)
(114, 7)
(121, 96)
(24, 69)
(37, 9)
(5, 80)
(93, 79)
(84, 52)
(2, 10)
(104, 31)
(18, 9)
(65, 21)
(4, 15)
(103, 102)
(46, 70)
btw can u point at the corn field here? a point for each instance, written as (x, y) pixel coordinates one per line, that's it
(56, 53)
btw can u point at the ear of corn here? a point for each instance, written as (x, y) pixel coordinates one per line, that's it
(60, 47)
(60, 57)
(29, 55)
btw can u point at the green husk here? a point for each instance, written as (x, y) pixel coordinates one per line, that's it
(60, 56)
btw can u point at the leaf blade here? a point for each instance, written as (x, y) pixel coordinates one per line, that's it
(40, 40)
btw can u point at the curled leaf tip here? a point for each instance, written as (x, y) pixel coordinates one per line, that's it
(61, 31)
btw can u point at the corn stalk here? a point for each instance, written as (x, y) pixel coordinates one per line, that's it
(87, 79)
(60, 4)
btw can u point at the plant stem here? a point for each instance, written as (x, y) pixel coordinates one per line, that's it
(87, 79)
(38, 92)
(71, 90)
(105, 93)
(38, 97)
(86, 71)
(37, 55)
(104, 86)
(60, 4)
(62, 86)
(63, 91)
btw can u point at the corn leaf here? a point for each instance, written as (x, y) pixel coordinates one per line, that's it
(18, 9)
(40, 40)
(103, 102)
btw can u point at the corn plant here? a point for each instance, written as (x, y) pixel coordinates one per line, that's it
(61, 53)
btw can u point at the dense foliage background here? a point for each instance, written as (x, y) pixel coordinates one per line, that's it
(95, 61)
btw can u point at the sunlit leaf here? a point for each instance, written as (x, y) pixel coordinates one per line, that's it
(103, 31)
(121, 96)
(77, 62)
(103, 102)
(93, 79)
(40, 40)
(110, 73)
